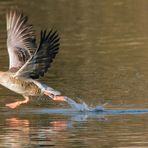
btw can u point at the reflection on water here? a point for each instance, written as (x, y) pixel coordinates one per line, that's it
(103, 58)
(13, 135)
(20, 133)
(64, 128)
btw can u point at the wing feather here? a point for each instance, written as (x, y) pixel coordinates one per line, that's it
(39, 63)
(20, 39)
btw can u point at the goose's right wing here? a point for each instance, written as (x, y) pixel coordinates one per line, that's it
(20, 39)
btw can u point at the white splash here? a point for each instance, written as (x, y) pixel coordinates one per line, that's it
(83, 106)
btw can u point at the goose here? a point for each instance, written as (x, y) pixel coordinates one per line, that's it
(27, 61)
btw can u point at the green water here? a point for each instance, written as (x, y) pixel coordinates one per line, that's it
(103, 58)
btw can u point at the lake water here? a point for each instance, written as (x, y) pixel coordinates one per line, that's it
(103, 59)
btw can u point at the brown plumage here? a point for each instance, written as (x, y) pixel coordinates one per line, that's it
(28, 62)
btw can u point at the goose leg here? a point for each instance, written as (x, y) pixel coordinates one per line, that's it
(54, 97)
(17, 103)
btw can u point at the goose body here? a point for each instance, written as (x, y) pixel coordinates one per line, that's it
(21, 86)
(27, 61)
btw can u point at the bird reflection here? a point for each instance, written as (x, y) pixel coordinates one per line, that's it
(17, 133)
(20, 133)
(40, 126)
(15, 122)
(59, 125)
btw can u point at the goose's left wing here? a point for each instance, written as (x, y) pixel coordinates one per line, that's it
(39, 63)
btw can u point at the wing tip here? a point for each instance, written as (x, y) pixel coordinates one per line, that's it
(14, 10)
(49, 36)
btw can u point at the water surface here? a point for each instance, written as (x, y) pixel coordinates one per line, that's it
(103, 59)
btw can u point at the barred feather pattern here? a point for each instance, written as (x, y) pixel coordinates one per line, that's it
(39, 63)
(20, 38)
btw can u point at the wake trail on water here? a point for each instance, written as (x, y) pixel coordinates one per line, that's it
(83, 107)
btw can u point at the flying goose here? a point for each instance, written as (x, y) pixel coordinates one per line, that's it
(27, 61)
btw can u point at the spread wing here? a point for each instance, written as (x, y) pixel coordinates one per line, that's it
(39, 63)
(20, 39)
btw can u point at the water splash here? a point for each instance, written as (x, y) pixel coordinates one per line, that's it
(83, 106)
